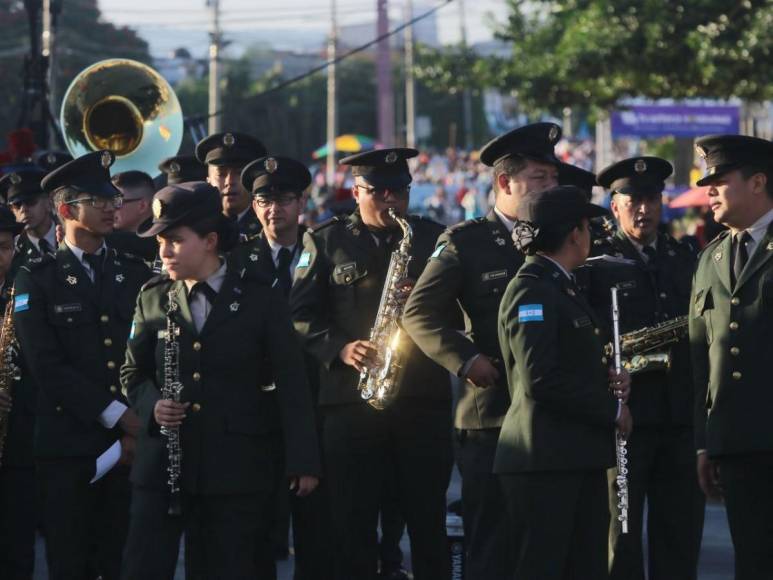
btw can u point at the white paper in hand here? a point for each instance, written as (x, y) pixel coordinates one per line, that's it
(107, 461)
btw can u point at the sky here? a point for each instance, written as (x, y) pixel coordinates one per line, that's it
(302, 24)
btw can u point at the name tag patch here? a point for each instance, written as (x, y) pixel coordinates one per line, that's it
(21, 303)
(581, 322)
(495, 275)
(304, 260)
(530, 313)
(66, 308)
(348, 267)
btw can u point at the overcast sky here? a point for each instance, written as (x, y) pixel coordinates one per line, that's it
(171, 23)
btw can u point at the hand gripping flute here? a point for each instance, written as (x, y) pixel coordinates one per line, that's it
(171, 390)
(620, 442)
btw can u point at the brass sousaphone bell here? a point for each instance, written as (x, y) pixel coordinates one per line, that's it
(124, 106)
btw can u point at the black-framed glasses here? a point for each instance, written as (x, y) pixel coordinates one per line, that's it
(282, 201)
(380, 193)
(98, 202)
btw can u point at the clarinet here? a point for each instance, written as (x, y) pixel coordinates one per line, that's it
(171, 390)
(620, 441)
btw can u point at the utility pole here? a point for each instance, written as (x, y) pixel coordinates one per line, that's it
(385, 98)
(466, 95)
(332, 104)
(215, 43)
(410, 96)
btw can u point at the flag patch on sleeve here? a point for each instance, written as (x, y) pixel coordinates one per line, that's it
(438, 250)
(21, 303)
(530, 313)
(304, 260)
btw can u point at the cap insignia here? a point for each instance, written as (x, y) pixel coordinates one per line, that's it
(106, 159)
(15, 178)
(158, 208)
(701, 151)
(553, 135)
(229, 140)
(271, 165)
(391, 157)
(174, 168)
(51, 158)
(640, 166)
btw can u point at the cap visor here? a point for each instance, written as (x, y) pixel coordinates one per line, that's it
(388, 181)
(149, 228)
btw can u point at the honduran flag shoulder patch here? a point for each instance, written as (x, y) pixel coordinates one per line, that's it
(530, 313)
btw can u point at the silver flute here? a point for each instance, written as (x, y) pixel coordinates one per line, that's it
(621, 479)
(172, 390)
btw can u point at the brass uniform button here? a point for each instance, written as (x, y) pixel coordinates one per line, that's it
(735, 301)
(108, 342)
(196, 345)
(663, 295)
(733, 326)
(113, 389)
(197, 376)
(735, 351)
(737, 375)
(196, 407)
(603, 360)
(110, 365)
(58, 409)
(104, 318)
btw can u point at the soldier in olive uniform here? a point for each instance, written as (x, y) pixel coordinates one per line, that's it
(471, 266)
(18, 516)
(229, 323)
(72, 313)
(277, 185)
(32, 207)
(52, 159)
(225, 155)
(731, 338)
(653, 273)
(557, 437)
(338, 286)
(137, 189)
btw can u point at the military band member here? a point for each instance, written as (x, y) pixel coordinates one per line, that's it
(51, 159)
(277, 185)
(137, 189)
(471, 266)
(18, 515)
(731, 338)
(338, 286)
(32, 208)
(225, 155)
(653, 272)
(230, 431)
(557, 437)
(572, 175)
(72, 313)
(182, 168)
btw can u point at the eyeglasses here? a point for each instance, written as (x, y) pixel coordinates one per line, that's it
(283, 201)
(99, 202)
(381, 193)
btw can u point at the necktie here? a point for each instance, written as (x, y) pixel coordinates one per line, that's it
(44, 246)
(95, 261)
(740, 254)
(283, 270)
(651, 254)
(205, 289)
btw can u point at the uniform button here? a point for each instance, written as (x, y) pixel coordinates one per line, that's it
(496, 290)
(735, 351)
(603, 360)
(596, 331)
(196, 345)
(113, 389)
(735, 301)
(737, 375)
(663, 295)
(104, 318)
(69, 319)
(197, 376)
(58, 409)
(108, 342)
(733, 326)
(110, 365)
(196, 407)
(347, 278)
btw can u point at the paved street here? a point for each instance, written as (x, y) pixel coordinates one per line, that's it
(716, 562)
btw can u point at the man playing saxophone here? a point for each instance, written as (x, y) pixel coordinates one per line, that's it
(335, 300)
(652, 272)
(17, 420)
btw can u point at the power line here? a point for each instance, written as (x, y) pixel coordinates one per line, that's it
(336, 60)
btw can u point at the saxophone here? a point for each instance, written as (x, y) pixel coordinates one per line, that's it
(646, 349)
(9, 371)
(380, 383)
(171, 389)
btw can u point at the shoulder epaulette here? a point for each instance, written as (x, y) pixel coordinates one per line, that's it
(127, 256)
(531, 270)
(465, 225)
(252, 275)
(155, 281)
(713, 243)
(249, 239)
(326, 224)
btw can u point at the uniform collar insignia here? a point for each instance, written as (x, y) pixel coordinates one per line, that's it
(72, 280)
(501, 241)
(234, 306)
(718, 256)
(119, 278)
(769, 246)
(254, 257)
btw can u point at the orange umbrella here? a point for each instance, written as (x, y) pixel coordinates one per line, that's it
(695, 197)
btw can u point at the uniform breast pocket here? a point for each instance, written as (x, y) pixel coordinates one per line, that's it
(345, 276)
(704, 308)
(70, 315)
